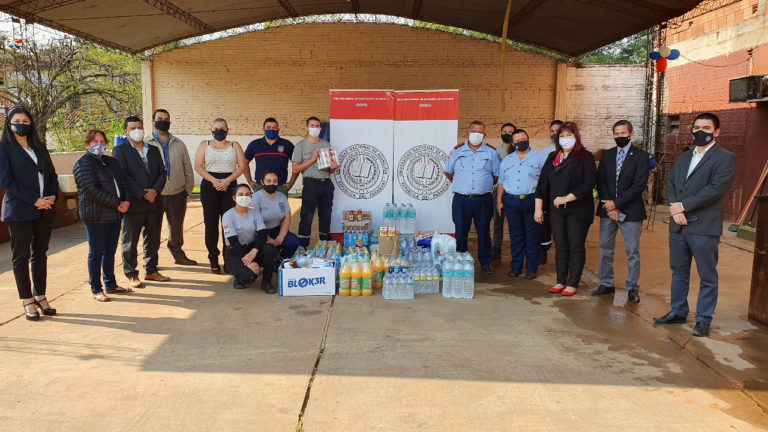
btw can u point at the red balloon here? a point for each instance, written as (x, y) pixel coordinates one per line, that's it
(661, 65)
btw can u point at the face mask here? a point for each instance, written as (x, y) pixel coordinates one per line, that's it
(314, 132)
(506, 138)
(271, 134)
(270, 188)
(475, 138)
(219, 135)
(553, 138)
(622, 141)
(522, 146)
(567, 143)
(21, 129)
(701, 138)
(243, 201)
(136, 134)
(97, 149)
(162, 126)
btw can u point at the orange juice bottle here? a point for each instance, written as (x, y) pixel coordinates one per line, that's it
(356, 282)
(379, 269)
(345, 279)
(366, 287)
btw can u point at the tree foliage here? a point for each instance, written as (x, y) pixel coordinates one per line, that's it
(631, 49)
(70, 85)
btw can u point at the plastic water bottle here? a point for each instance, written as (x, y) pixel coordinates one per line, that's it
(409, 288)
(411, 215)
(448, 277)
(435, 281)
(386, 290)
(468, 288)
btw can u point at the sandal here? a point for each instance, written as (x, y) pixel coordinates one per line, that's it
(34, 316)
(46, 310)
(101, 297)
(119, 290)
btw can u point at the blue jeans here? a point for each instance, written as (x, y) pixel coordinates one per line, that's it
(290, 242)
(479, 209)
(524, 232)
(102, 245)
(683, 248)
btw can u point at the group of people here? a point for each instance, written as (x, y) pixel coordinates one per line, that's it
(541, 194)
(549, 194)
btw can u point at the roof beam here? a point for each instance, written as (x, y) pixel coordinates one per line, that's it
(288, 8)
(180, 14)
(355, 6)
(40, 6)
(416, 9)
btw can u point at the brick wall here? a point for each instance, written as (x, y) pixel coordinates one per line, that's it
(718, 19)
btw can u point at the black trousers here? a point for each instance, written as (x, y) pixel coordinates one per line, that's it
(29, 245)
(315, 195)
(175, 208)
(147, 224)
(546, 234)
(570, 254)
(215, 203)
(267, 257)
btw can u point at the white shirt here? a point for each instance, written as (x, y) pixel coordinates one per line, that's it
(696, 157)
(39, 174)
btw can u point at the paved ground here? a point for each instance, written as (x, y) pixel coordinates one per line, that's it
(194, 354)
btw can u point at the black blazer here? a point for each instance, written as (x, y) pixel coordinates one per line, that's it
(632, 181)
(97, 194)
(18, 176)
(138, 178)
(702, 192)
(577, 177)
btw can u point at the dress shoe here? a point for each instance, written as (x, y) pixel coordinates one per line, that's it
(31, 316)
(530, 275)
(157, 277)
(46, 310)
(185, 261)
(603, 290)
(701, 329)
(135, 282)
(670, 318)
(267, 287)
(486, 268)
(556, 290)
(633, 296)
(238, 285)
(514, 273)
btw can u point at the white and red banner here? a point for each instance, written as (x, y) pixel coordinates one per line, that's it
(392, 147)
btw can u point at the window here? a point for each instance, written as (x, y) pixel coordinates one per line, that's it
(673, 125)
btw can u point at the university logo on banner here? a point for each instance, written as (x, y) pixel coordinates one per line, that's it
(364, 171)
(420, 172)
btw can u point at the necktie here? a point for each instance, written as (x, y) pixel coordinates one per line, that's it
(619, 163)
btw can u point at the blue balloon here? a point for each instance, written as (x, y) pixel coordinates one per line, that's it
(654, 55)
(673, 55)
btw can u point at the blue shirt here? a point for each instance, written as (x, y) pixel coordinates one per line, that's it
(270, 157)
(164, 146)
(520, 177)
(547, 150)
(473, 171)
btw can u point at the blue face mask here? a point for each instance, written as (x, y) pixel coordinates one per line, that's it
(270, 133)
(97, 149)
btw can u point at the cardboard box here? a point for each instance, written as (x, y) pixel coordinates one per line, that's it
(389, 246)
(307, 281)
(67, 183)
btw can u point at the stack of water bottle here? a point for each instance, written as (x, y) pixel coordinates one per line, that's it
(398, 283)
(402, 218)
(458, 275)
(426, 278)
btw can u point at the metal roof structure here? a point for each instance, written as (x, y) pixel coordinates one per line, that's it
(568, 27)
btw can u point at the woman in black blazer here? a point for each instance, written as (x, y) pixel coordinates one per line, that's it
(565, 191)
(31, 187)
(103, 201)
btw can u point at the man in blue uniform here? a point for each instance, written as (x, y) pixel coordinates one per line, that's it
(271, 153)
(473, 168)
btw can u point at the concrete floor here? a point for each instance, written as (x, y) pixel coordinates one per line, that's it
(194, 354)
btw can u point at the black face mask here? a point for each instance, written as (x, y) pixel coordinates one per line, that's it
(622, 141)
(21, 129)
(162, 126)
(506, 138)
(522, 146)
(701, 138)
(553, 138)
(270, 189)
(219, 135)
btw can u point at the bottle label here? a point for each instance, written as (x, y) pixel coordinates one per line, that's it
(354, 284)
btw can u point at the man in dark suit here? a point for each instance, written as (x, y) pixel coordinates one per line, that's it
(695, 188)
(145, 177)
(621, 179)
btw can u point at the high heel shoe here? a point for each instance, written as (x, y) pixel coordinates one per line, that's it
(35, 316)
(46, 310)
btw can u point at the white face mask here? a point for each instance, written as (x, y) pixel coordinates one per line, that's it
(567, 143)
(137, 134)
(475, 138)
(243, 201)
(314, 132)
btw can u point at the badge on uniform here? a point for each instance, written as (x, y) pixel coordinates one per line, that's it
(282, 208)
(280, 148)
(226, 229)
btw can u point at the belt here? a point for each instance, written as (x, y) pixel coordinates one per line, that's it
(522, 197)
(314, 180)
(473, 195)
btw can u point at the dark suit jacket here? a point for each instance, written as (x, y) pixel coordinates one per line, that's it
(577, 177)
(702, 192)
(18, 176)
(137, 178)
(632, 181)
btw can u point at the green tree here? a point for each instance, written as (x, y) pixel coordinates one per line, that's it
(631, 49)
